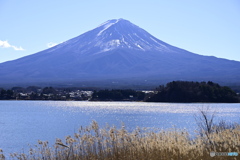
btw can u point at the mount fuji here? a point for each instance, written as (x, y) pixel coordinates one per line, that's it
(117, 52)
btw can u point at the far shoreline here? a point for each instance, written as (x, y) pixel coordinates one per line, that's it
(118, 101)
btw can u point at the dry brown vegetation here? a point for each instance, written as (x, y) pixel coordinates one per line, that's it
(110, 143)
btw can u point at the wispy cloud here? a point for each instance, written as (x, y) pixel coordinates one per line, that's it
(5, 44)
(52, 44)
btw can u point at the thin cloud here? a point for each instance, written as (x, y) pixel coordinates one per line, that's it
(51, 44)
(18, 48)
(5, 44)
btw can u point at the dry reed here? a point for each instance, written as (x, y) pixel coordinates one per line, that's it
(109, 143)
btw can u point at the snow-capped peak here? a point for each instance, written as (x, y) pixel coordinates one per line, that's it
(106, 25)
(115, 34)
(109, 22)
(120, 33)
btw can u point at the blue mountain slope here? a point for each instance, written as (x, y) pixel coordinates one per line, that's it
(117, 50)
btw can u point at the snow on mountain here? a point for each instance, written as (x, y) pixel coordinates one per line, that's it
(115, 34)
(117, 49)
(106, 25)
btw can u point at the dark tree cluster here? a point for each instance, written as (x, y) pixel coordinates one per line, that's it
(184, 91)
(118, 95)
(6, 94)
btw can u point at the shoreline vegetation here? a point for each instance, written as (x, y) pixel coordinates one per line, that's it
(111, 143)
(175, 91)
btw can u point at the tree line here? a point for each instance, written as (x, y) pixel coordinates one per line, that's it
(184, 91)
(118, 95)
(46, 93)
(175, 91)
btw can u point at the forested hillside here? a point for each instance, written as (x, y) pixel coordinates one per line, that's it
(183, 91)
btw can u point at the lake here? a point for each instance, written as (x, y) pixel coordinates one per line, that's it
(26, 122)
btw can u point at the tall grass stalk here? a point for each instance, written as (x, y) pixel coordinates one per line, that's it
(109, 143)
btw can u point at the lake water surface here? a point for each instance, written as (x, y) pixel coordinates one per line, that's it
(26, 122)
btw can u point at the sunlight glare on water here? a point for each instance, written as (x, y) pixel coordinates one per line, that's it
(26, 122)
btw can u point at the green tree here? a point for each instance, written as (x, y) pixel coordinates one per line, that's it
(184, 91)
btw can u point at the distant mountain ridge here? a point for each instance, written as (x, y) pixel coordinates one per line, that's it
(117, 52)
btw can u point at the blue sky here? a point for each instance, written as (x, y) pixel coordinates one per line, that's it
(206, 27)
